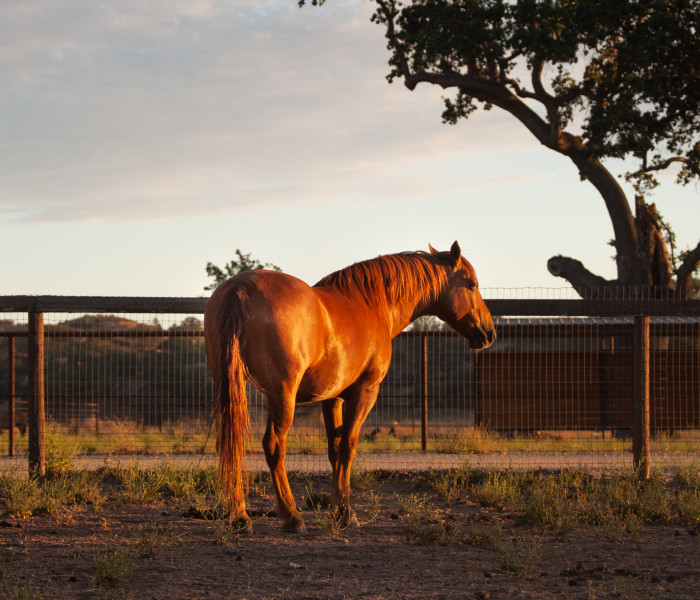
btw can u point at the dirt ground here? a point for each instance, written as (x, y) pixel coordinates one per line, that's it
(163, 551)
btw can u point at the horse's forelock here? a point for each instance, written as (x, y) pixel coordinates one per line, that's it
(391, 278)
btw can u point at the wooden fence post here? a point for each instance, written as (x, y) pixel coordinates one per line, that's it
(424, 391)
(35, 411)
(11, 408)
(640, 399)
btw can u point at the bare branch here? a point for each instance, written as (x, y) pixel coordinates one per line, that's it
(521, 92)
(660, 166)
(582, 280)
(536, 78)
(546, 99)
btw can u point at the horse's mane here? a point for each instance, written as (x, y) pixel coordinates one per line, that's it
(390, 279)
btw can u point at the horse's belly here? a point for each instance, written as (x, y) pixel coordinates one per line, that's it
(314, 388)
(329, 378)
(339, 371)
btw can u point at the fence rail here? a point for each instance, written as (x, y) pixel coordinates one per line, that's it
(559, 365)
(623, 306)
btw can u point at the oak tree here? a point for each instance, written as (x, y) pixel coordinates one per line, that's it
(589, 79)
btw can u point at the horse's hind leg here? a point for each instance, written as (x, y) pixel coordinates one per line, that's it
(280, 411)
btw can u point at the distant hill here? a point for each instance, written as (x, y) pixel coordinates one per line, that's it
(106, 323)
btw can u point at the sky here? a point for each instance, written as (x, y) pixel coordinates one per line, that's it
(140, 140)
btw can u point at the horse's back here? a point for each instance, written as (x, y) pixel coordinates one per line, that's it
(295, 335)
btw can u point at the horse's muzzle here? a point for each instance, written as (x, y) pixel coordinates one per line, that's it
(480, 338)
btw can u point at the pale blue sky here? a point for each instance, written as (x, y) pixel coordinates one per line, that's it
(140, 140)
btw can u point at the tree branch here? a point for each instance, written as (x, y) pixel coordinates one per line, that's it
(582, 280)
(546, 99)
(548, 132)
(684, 274)
(664, 164)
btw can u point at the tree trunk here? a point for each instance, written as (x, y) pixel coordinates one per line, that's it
(621, 217)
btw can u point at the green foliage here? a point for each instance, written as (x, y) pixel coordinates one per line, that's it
(243, 262)
(627, 71)
(687, 505)
(519, 555)
(314, 499)
(431, 531)
(111, 567)
(452, 484)
(64, 492)
(590, 79)
(148, 542)
(141, 486)
(215, 509)
(411, 505)
(500, 488)
(361, 478)
(20, 497)
(550, 506)
(426, 525)
(61, 451)
(688, 476)
(23, 497)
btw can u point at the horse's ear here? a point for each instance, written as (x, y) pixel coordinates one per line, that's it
(455, 253)
(432, 250)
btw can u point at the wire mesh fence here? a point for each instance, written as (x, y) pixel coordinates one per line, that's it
(553, 391)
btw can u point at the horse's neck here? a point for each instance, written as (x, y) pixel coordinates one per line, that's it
(404, 313)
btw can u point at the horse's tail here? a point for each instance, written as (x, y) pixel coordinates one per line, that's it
(231, 401)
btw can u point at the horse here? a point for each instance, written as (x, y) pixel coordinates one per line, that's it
(330, 343)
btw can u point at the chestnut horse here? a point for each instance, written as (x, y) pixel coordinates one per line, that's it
(329, 343)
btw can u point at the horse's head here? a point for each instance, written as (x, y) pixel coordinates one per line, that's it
(460, 305)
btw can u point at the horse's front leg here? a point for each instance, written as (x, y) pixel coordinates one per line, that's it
(358, 403)
(333, 420)
(279, 419)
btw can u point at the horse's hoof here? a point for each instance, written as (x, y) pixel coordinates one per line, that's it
(296, 525)
(243, 525)
(346, 518)
(350, 520)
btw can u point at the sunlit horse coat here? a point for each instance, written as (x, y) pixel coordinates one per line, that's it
(329, 343)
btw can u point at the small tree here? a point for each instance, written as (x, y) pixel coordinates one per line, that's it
(244, 262)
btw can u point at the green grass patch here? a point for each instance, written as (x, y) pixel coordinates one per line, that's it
(112, 567)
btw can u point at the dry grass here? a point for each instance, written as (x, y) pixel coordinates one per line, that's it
(119, 437)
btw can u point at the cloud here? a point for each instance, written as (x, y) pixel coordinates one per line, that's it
(124, 110)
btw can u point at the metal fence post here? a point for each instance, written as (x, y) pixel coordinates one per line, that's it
(36, 413)
(11, 408)
(640, 398)
(424, 391)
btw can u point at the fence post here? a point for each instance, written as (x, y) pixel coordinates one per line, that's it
(476, 388)
(11, 408)
(640, 398)
(35, 410)
(424, 391)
